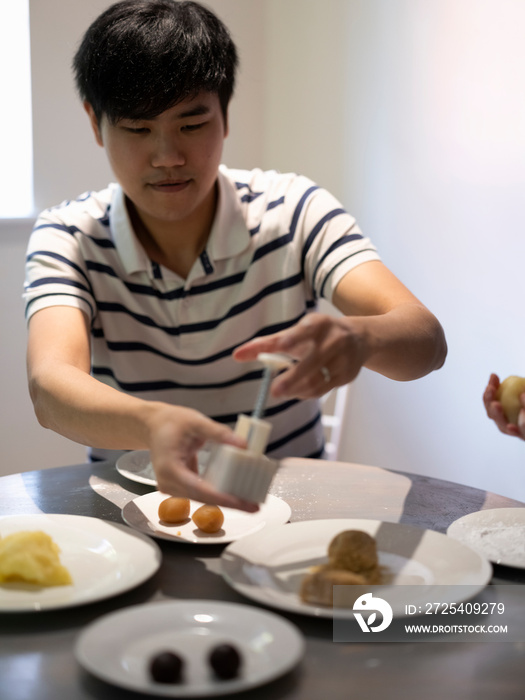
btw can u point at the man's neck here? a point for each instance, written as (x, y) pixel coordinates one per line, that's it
(175, 245)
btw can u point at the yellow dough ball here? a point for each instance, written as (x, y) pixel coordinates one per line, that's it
(508, 395)
(32, 557)
(208, 518)
(174, 510)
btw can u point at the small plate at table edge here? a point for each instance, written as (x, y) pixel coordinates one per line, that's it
(291, 654)
(472, 521)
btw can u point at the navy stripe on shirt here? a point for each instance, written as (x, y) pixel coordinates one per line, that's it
(115, 307)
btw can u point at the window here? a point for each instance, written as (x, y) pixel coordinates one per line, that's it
(16, 159)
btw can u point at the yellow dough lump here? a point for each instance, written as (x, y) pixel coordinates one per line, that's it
(508, 394)
(32, 557)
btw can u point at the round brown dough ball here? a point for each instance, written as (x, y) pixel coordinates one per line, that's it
(208, 518)
(353, 550)
(174, 510)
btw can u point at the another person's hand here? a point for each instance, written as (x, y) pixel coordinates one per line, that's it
(329, 353)
(495, 412)
(176, 435)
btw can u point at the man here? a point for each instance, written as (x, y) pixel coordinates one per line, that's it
(150, 301)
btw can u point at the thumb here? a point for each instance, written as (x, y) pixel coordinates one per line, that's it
(215, 432)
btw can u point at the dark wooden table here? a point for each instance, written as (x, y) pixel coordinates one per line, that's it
(36, 649)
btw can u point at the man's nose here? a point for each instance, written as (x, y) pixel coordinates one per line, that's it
(167, 152)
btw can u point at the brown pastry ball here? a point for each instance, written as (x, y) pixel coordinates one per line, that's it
(508, 394)
(208, 518)
(174, 510)
(317, 588)
(353, 550)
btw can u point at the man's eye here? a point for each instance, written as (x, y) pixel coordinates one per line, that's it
(193, 127)
(136, 130)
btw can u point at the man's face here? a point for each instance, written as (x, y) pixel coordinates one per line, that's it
(167, 166)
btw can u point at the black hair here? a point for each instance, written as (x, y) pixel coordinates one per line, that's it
(141, 57)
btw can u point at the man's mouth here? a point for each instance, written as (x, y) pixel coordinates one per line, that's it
(169, 185)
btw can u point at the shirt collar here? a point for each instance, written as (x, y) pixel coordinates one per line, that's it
(130, 250)
(229, 235)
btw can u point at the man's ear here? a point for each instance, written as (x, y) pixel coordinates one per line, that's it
(94, 123)
(226, 123)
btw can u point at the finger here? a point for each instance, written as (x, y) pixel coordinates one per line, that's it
(488, 399)
(513, 430)
(521, 421)
(209, 430)
(313, 375)
(491, 389)
(249, 351)
(498, 416)
(496, 413)
(312, 383)
(295, 341)
(299, 340)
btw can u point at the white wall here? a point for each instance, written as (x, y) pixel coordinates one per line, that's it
(436, 174)
(24, 444)
(67, 159)
(412, 113)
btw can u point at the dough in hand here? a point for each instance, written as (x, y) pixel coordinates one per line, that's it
(508, 395)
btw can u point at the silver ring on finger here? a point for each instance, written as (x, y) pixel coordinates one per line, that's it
(326, 374)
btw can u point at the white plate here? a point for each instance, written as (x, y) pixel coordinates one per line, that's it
(103, 558)
(269, 566)
(142, 514)
(118, 647)
(498, 534)
(136, 466)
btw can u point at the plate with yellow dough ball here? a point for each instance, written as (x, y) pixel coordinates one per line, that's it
(183, 520)
(51, 561)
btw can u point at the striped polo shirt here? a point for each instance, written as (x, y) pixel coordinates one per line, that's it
(278, 243)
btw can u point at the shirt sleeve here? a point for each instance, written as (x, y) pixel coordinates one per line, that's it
(331, 242)
(55, 272)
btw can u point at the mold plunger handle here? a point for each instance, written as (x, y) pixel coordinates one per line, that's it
(273, 362)
(268, 375)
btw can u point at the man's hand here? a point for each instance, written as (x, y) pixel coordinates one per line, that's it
(176, 435)
(383, 327)
(328, 350)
